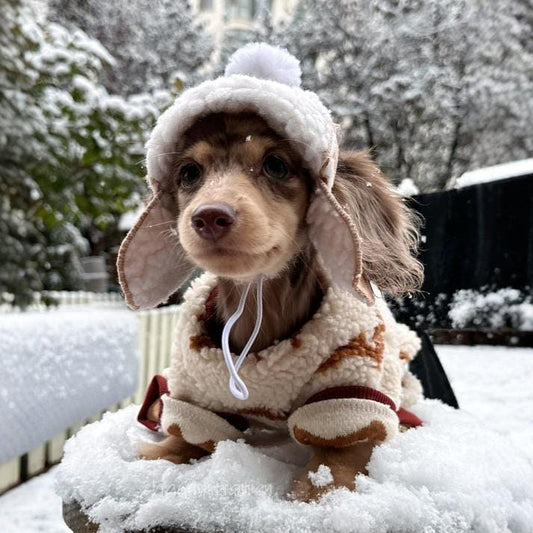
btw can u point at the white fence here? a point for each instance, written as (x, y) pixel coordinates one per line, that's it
(155, 339)
(67, 298)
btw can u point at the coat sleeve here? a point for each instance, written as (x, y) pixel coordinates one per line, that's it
(360, 391)
(342, 416)
(196, 425)
(344, 401)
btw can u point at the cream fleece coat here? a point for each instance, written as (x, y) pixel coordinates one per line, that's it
(350, 359)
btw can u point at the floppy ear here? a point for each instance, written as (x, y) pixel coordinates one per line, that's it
(151, 262)
(388, 230)
(336, 239)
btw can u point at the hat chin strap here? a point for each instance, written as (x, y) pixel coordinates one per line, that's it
(236, 384)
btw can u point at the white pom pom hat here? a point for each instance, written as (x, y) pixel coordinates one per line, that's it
(265, 80)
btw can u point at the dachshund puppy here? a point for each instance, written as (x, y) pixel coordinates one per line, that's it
(327, 365)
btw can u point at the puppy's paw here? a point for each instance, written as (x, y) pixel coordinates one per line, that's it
(343, 465)
(171, 448)
(305, 490)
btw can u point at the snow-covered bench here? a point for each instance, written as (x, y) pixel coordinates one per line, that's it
(452, 474)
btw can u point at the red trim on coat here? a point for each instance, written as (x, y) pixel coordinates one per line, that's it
(158, 386)
(352, 391)
(409, 419)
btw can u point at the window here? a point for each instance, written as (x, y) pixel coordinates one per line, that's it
(206, 5)
(240, 9)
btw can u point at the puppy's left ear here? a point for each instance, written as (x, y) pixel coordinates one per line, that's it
(362, 230)
(387, 229)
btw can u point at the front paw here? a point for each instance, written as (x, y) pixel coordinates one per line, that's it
(340, 466)
(305, 488)
(171, 448)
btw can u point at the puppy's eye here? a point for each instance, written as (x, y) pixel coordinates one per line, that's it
(190, 175)
(275, 167)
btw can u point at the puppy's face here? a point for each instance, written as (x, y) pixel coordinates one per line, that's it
(242, 196)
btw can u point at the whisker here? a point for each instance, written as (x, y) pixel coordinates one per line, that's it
(160, 223)
(165, 153)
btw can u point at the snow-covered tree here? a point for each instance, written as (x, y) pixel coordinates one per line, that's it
(29, 241)
(156, 44)
(70, 153)
(434, 87)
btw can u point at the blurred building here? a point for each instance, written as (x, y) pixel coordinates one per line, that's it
(223, 17)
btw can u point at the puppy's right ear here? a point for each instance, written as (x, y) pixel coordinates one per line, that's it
(151, 261)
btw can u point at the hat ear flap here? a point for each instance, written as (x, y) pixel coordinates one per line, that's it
(364, 219)
(151, 262)
(336, 239)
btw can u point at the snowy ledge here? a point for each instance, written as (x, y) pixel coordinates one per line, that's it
(514, 169)
(450, 475)
(59, 367)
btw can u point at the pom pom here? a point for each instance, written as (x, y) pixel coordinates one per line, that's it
(261, 60)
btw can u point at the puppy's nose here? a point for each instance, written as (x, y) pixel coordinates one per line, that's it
(213, 221)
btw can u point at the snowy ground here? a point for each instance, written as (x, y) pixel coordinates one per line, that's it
(447, 491)
(496, 386)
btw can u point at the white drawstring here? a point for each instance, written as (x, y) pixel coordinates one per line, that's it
(236, 384)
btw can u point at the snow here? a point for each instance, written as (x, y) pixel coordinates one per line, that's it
(505, 307)
(494, 384)
(451, 451)
(147, 50)
(494, 173)
(433, 88)
(32, 507)
(468, 470)
(322, 477)
(451, 475)
(408, 187)
(60, 367)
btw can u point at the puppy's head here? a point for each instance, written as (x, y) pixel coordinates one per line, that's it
(239, 201)
(241, 195)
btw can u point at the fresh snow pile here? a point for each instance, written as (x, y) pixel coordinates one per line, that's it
(60, 367)
(497, 172)
(495, 310)
(322, 477)
(450, 475)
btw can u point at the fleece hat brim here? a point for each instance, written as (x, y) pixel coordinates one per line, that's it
(264, 80)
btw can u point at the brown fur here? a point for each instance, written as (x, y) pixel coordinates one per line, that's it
(388, 229)
(263, 413)
(198, 342)
(269, 235)
(172, 448)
